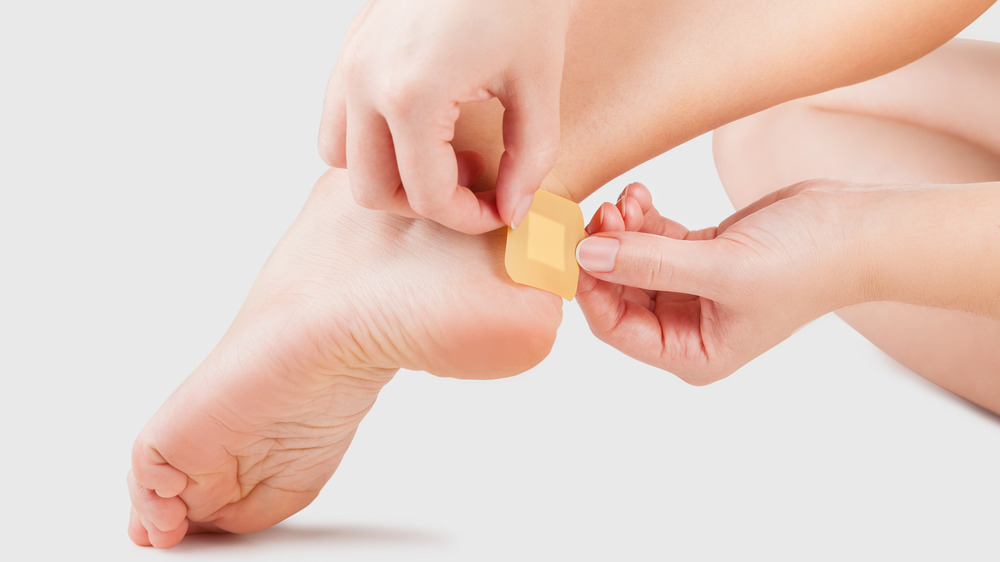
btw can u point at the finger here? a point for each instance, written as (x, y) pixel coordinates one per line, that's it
(595, 222)
(641, 194)
(654, 223)
(625, 322)
(333, 122)
(471, 166)
(641, 297)
(655, 262)
(606, 219)
(651, 220)
(428, 169)
(631, 213)
(371, 160)
(611, 219)
(635, 218)
(530, 139)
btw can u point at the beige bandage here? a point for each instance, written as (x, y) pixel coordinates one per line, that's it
(542, 251)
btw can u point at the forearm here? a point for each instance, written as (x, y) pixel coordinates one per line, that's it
(669, 71)
(935, 246)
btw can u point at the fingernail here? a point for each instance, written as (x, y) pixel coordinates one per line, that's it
(597, 254)
(623, 195)
(599, 224)
(521, 210)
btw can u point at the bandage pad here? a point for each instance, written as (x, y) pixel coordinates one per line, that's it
(542, 251)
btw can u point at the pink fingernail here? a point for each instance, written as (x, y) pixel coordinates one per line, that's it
(521, 210)
(623, 195)
(597, 254)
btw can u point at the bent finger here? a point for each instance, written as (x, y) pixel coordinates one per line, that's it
(428, 170)
(371, 160)
(622, 321)
(333, 122)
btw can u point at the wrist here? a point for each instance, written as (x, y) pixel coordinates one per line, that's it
(888, 232)
(934, 245)
(846, 270)
(863, 225)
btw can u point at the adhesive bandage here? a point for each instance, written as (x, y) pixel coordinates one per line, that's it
(542, 251)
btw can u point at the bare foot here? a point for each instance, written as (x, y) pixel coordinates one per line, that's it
(347, 297)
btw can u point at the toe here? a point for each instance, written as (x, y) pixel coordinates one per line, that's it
(136, 531)
(161, 514)
(166, 539)
(154, 473)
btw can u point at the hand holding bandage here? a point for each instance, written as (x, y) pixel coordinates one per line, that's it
(700, 304)
(394, 99)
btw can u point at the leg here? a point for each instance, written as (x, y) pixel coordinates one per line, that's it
(348, 296)
(844, 135)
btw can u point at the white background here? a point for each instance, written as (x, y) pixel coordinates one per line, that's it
(150, 157)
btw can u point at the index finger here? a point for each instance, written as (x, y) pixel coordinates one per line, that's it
(666, 335)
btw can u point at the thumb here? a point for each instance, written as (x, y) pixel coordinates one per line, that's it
(659, 263)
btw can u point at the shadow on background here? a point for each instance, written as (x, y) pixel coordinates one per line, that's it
(291, 536)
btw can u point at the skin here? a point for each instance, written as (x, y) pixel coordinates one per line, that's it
(693, 66)
(703, 303)
(932, 123)
(391, 106)
(350, 295)
(254, 433)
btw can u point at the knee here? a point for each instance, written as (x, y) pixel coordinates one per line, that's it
(757, 155)
(738, 157)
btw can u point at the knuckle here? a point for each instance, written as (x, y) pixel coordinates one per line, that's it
(545, 156)
(399, 95)
(653, 268)
(350, 63)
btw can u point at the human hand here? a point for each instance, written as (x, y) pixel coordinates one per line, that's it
(393, 100)
(700, 304)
